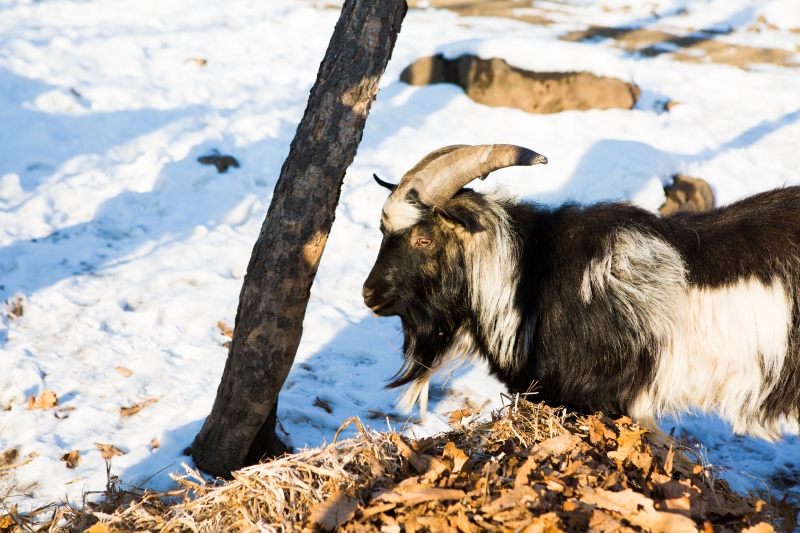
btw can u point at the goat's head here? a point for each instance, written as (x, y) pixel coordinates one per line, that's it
(427, 221)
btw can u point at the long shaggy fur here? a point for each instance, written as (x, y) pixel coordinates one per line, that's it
(605, 307)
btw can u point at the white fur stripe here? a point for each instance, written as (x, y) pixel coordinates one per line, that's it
(399, 214)
(728, 351)
(492, 259)
(719, 349)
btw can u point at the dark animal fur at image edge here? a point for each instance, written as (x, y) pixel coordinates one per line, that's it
(605, 307)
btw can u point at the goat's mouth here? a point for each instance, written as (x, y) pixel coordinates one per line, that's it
(383, 308)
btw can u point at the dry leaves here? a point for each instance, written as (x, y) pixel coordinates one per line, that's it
(224, 329)
(72, 458)
(322, 404)
(124, 372)
(9, 456)
(334, 512)
(9, 460)
(154, 444)
(222, 162)
(15, 308)
(133, 409)
(46, 400)
(109, 450)
(531, 469)
(457, 416)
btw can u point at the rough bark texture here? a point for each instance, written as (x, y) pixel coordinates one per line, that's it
(269, 322)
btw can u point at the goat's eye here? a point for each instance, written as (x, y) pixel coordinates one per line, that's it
(423, 242)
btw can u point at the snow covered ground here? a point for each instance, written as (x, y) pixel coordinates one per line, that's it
(124, 251)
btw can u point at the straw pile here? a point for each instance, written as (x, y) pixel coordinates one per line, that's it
(530, 469)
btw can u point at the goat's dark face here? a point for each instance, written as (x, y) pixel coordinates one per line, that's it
(432, 227)
(417, 266)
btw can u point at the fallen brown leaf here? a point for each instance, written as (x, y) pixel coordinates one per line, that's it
(421, 495)
(154, 444)
(409, 454)
(604, 523)
(598, 432)
(322, 404)
(6, 522)
(519, 496)
(46, 400)
(456, 455)
(109, 450)
(524, 472)
(133, 409)
(9, 456)
(557, 445)
(335, 511)
(683, 498)
(72, 458)
(16, 308)
(642, 460)
(124, 372)
(669, 460)
(224, 329)
(731, 509)
(639, 510)
(627, 442)
(457, 416)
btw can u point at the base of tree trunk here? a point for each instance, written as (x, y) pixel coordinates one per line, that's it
(266, 444)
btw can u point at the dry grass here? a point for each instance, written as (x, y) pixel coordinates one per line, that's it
(530, 468)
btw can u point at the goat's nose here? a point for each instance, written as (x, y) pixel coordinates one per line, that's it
(366, 292)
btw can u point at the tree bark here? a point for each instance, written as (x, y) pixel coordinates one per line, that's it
(269, 321)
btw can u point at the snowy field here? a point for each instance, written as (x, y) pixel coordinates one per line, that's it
(122, 253)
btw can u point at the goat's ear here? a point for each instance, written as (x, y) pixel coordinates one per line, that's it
(460, 218)
(384, 184)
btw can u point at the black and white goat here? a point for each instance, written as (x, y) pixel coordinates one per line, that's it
(607, 306)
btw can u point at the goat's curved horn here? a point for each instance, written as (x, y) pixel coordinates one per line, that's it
(440, 174)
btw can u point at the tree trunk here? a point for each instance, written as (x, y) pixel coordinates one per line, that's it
(269, 321)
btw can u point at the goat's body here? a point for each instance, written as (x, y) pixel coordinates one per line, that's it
(611, 307)
(622, 310)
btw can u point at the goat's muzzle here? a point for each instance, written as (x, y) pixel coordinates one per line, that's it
(375, 301)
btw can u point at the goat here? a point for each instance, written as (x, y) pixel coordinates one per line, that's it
(607, 307)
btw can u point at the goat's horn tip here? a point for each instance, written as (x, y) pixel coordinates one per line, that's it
(539, 159)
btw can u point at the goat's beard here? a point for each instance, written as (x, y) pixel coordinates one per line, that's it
(429, 348)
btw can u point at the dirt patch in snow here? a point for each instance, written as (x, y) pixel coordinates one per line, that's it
(694, 48)
(487, 8)
(494, 82)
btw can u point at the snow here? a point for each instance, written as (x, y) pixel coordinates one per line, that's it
(126, 252)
